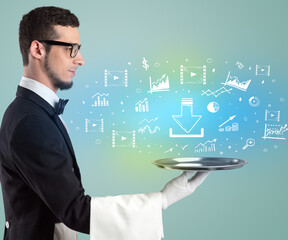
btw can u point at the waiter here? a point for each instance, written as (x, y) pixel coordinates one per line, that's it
(41, 183)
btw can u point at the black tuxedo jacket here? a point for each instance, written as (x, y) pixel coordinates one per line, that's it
(40, 178)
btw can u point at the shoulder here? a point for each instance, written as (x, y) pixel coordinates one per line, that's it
(22, 109)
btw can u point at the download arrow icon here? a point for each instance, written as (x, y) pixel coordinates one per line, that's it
(187, 121)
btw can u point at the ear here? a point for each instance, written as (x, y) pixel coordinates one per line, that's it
(37, 50)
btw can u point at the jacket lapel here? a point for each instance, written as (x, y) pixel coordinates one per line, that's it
(28, 94)
(63, 130)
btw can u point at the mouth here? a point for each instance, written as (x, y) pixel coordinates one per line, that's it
(72, 72)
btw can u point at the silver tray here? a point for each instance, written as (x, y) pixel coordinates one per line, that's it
(200, 163)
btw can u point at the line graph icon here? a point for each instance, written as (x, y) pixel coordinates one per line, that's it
(148, 126)
(233, 81)
(159, 85)
(217, 92)
(275, 131)
(208, 146)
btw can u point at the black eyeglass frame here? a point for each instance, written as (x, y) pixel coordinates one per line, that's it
(75, 46)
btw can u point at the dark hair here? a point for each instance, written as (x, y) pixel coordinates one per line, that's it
(39, 24)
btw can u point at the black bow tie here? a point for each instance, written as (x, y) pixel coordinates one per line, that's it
(59, 108)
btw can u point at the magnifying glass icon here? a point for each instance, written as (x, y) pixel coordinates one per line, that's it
(249, 143)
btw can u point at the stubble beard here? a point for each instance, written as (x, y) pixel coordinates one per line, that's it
(56, 80)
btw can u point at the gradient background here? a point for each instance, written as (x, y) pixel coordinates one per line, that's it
(248, 203)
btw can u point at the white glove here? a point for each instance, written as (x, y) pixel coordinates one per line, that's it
(181, 187)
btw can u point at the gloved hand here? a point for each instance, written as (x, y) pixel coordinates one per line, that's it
(181, 187)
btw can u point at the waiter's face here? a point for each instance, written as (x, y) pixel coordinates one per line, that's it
(59, 65)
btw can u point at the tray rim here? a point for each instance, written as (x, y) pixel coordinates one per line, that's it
(210, 168)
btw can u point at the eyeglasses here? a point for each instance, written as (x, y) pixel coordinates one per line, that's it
(74, 46)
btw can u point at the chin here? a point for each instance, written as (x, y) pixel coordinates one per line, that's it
(62, 85)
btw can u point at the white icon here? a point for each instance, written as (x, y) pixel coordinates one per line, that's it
(275, 131)
(123, 138)
(262, 70)
(217, 92)
(145, 65)
(116, 78)
(101, 100)
(239, 64)
(254, 101)
(233, 128)
(149, 126)
(272, 116)
(159, 85)
(213, 107)
(183, 148)
(234, 82)
(249, 143)
(230, 119)
(142, 106)
(202, 147)
(187, 121)
(169, 150)
(94, 125)
(209, 60)
(192, 74)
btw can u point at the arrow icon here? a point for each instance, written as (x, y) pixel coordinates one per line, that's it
(192, 74)
(230, 119)
(187, 121)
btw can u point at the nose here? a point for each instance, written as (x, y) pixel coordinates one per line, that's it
(79, 60)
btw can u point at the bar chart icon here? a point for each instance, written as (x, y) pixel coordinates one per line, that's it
(100, 100)
(208, 146)
(142, 106)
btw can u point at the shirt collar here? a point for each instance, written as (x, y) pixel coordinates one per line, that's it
(40, 89)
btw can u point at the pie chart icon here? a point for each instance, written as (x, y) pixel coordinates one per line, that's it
(213, 107)
(254, 101)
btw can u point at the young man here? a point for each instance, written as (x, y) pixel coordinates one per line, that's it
(41, 183)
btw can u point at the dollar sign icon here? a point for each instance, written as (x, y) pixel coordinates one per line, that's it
(145, 65)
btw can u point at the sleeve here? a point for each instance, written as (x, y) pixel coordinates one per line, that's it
(41, 157)
(127, 217)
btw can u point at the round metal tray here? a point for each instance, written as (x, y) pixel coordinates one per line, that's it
(200, 163)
